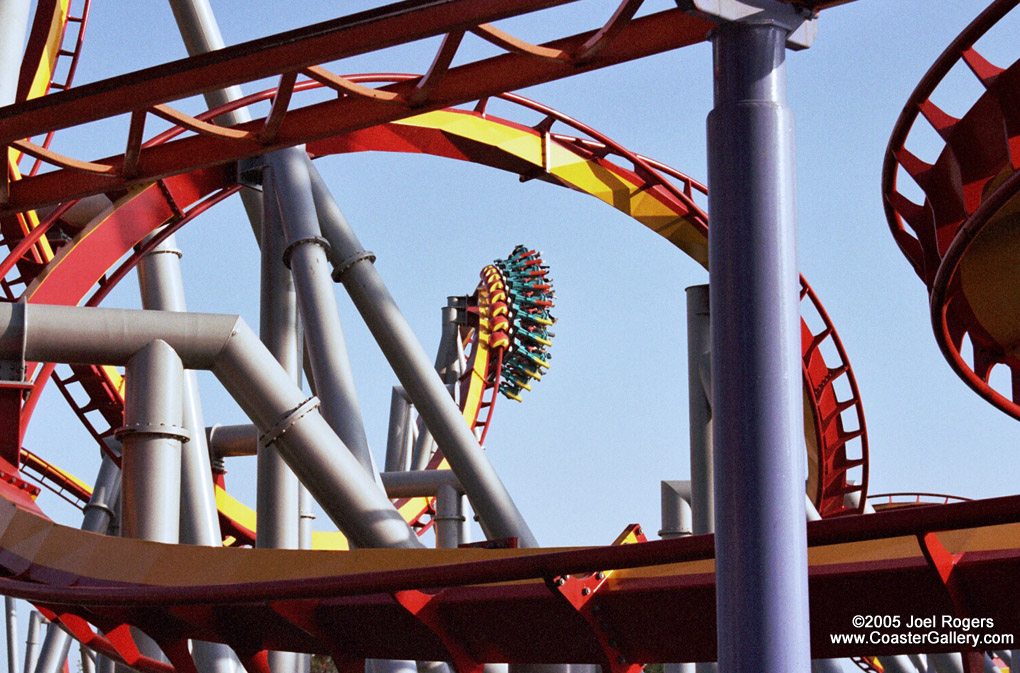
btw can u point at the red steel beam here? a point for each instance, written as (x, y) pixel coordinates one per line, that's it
(319, 43)
(640, 37)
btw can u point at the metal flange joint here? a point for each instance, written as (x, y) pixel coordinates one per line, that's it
(800, 23)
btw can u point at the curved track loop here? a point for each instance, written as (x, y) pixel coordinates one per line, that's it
(962, 241)
(882, 501)
(834, 418)
(591, 164)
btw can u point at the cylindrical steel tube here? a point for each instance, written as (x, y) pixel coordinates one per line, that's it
(489, 496)
(761, 551)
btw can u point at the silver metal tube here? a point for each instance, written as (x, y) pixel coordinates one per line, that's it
(226, 346)
(101, 507)
(699, 348)
(447, 355)
(162, 289)
(151, 437)
(311, 448)
(451, 525)
(100, 511)
(88, 664)
(489, 496)
(277, 487)
(422, 483)
(12, 633)
(421, 452)
(396, 439)
(13, 26)
(201, 34)
(226, 441)
(306, 256)
(898, 663)
(946, 662)
(277, 514)
(32, 640)
(918, 662)
(54, 651)
(676, 509)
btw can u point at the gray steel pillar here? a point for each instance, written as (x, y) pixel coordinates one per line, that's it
(451, 524)
(151, 453)
(699, 395)
(324, 338)
(201, 34)
(11, 606)
(151, 439)
(397, 440)
(88, 664)
(32, 640)
(99, 512)
(162, 289)
(676, 522)
(898, 663)
(675, 509)
(946, 662)
(761, 550)
(352, 266)
(54, 651)
(13, 26)
(277, 513)
(277, 487)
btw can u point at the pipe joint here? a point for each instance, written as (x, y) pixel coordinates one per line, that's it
(154, 430)
(344, 265)
(315, 240)
(161, 250)
(287, 421)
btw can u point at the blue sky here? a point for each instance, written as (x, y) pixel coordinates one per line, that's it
(584, 454)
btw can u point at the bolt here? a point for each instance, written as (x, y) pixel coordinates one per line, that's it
(638, 531)
(560, 581)
(585, 591)
(600, 575)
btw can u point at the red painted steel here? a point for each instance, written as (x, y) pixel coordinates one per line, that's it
(640, 37)
(961, 197)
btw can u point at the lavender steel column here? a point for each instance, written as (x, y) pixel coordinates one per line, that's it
(761, 550)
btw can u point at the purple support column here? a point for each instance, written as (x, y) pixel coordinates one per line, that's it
(761, 551)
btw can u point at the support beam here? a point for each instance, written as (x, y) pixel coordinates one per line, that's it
(699, 395)
(352, 266)
(277, 488)
(305, 254)
(265, 392)
(151, 437)
(761, 555)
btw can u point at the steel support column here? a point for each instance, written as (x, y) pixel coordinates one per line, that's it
(35, 620)
(99, 512)
(201, 34)
(306, 256)
(276, 510)
(11, 609)
(162, 289)
(352, 266)
(398, 443)
(699, 394)
(761, 551)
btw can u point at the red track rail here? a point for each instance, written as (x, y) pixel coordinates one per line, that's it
(974, 176)
(620, 39)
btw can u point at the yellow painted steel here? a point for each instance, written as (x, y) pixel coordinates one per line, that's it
(574, 171)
